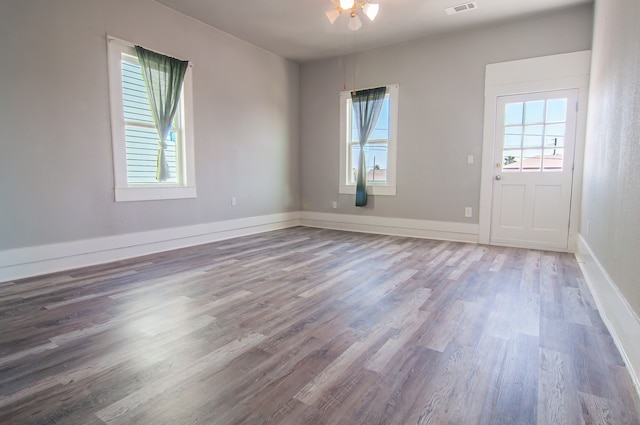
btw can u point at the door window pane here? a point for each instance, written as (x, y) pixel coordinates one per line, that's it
(533, 136)
(513, 113)
(556, 110)
(555, 130)
(532, 160)
(534, 112)
(512, 160)
(553, 159)
(513, 137)
(550, 141)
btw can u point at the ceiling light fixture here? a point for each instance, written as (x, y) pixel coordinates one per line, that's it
(352, 6)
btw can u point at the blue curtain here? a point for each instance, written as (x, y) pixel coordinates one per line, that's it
(367, 105)
(163, 78)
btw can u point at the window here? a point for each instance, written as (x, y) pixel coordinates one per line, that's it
(134, 136)
(534, 133)
(380, 150)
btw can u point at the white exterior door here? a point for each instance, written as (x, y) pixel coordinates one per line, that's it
(533, 169)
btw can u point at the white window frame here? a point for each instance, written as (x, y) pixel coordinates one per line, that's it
(373, 188)
(124, 191)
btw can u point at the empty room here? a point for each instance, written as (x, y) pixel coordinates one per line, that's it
(320, 212)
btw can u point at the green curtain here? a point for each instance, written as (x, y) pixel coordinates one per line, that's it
(163, 76)
(367, 105)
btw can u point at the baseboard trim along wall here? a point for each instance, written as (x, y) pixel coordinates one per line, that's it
(39, 260)
(618, 316)
(439, 230)
(33, 261)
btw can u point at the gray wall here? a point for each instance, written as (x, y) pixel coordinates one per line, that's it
(610, 222)
(56, 172)
(441, 113)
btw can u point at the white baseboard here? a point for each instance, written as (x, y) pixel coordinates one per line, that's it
(440, 230)
(32, 261)
(617, 314)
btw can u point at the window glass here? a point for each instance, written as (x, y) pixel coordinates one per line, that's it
(553, 159)
(380, 150)
(556, 110)
(533, 136)
(381, 130)
(376, 150)
(512, 160)
(134, 137)
(531, 159)
(141, 136)
(513, 137)
(376, 159)
(513, 113)
(135, 98)
(534, 112)
(544, 127)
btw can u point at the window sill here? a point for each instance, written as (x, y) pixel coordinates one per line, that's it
(385, 190)
(128, 194)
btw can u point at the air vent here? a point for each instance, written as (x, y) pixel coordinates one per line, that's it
(464, 7)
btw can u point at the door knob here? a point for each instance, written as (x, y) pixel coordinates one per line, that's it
(498, 177)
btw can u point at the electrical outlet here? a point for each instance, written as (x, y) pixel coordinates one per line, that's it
(470, 159)
(233, 200)
(588, 225)
(334, 205)
(468, 212)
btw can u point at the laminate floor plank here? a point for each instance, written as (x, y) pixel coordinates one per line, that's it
(313, 326)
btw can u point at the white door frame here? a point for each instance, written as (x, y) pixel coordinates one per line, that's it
(557, 72)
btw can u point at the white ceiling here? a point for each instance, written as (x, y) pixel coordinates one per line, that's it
(300, 31)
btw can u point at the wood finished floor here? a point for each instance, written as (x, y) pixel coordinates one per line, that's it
(309, 326)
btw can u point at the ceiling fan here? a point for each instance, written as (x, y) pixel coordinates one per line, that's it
(352, 7)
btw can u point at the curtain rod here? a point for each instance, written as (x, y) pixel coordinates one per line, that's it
(111, 39)
(368, 88)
